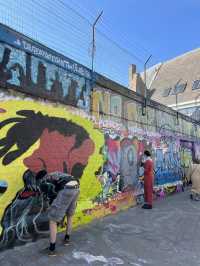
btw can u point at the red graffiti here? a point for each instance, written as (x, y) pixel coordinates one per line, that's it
(56, 149)
(113, 145)
(80, 154)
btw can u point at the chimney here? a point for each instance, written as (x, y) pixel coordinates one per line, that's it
(132, 77)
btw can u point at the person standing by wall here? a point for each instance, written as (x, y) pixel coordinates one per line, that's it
(193, 176)
(147, 163)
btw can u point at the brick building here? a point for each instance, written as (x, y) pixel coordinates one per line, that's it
(176, 83)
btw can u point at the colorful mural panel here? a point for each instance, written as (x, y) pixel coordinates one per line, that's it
(105, 157)
(34, 137)
(100, 141)
(156, 134)
(167, 161)
(36, 76)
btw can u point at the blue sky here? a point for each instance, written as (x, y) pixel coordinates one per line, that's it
(138, 28)
(165, 28)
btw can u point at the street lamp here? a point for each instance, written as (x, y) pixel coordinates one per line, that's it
(92, 54)
(93, 38)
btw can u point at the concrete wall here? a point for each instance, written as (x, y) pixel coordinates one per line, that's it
(97, 134)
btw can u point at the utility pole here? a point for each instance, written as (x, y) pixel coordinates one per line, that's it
(145, 87)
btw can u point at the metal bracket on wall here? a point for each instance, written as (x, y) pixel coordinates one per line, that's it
(144, 107)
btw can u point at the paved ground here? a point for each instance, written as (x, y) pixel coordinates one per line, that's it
(167, 235)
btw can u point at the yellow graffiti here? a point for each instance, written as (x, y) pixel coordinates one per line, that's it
(116, 105)
(95, 103)
(130, 111)
(100, 103)
(13, 172)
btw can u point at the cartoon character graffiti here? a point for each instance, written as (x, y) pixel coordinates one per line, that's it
(63, 146)
(109, 175)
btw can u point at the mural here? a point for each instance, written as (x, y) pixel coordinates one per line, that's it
(35, 138)
(167, 161)
(105, 162)
(128, 134)
(101, 141)
(36, 76)
(104, 154)
(119, 171)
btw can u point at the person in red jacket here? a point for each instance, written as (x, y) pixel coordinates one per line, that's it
(148, 180)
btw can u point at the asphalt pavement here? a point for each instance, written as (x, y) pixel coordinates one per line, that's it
(169, 234)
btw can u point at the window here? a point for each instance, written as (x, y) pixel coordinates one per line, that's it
(179, 88)
(196, 84)
(166, 92)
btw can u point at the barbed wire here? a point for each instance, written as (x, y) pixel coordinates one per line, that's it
(105, 27)
(66, 27)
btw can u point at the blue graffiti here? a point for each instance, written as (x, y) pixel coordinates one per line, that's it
(167, 165)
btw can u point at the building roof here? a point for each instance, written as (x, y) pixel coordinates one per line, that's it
(180, 76)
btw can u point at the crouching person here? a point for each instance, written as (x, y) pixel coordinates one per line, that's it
(63, 191)
(193, 176)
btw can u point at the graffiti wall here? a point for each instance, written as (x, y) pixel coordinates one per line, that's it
(97, 135)
(105, 161)
(36, 76)
(105, 154)
(127, 134)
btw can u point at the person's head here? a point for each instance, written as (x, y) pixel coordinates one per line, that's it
(196, 161)
(147, 153)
